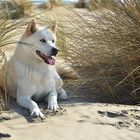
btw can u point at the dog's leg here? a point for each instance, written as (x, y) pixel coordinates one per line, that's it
(28, 103)
(62, 94)
(59, 84)
(52, 101)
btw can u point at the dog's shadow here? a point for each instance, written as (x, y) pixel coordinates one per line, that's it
(43, 107)
(25, 112)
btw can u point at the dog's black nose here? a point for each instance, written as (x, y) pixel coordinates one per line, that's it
(55, 51)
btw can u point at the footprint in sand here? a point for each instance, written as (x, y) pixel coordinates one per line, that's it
(124, 118)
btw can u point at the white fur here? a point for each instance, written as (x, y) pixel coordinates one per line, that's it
(28, 75)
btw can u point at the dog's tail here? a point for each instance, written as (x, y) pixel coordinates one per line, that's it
(65, 70)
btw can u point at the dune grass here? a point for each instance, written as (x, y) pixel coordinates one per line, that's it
(50, 4)
(90, 4)
(111, 35)
(107, 39)
(14, 9)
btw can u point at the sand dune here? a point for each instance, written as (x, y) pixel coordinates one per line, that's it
(80, 121)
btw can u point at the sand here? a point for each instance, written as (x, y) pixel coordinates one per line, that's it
(80, 121)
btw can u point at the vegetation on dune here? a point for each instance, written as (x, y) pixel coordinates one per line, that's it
(90, 4)
(50, 4)
(111, 35)
(14, 9)
(107, 40)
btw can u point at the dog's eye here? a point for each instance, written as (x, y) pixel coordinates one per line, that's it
(52, 41)
(43, 40)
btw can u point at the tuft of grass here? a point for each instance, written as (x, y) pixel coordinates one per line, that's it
(14, 9)
(107, 39)
(110, 36)
(50, 4)
(44, 5)
(81, 4)
(90, 5)
(54, 3)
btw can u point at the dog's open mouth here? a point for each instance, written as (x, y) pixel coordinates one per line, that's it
(47, 59)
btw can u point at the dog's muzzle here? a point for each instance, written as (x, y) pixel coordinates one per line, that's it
(47, 59)
(54, 51)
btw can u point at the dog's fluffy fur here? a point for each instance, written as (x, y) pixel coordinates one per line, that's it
(28, 76)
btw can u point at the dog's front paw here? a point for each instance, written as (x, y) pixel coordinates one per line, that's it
(37, 113)
(52, 104)
(63, 95)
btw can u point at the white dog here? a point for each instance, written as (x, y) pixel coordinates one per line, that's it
(30, 72)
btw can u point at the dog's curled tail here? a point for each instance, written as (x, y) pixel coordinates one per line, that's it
(65, 70)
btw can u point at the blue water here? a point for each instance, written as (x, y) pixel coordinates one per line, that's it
(41, 1)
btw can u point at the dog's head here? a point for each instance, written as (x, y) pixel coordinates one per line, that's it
(42, 41)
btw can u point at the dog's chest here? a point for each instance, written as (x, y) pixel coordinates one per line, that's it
(35, 79)
(42, 83)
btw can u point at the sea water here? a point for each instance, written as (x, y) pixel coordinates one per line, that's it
(65, 1)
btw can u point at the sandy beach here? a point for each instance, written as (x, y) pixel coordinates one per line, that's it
(77, 121)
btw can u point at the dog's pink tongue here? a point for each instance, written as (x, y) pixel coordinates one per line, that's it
(51, 61)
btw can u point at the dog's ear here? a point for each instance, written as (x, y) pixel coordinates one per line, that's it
(53, 26)
(32, 27)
